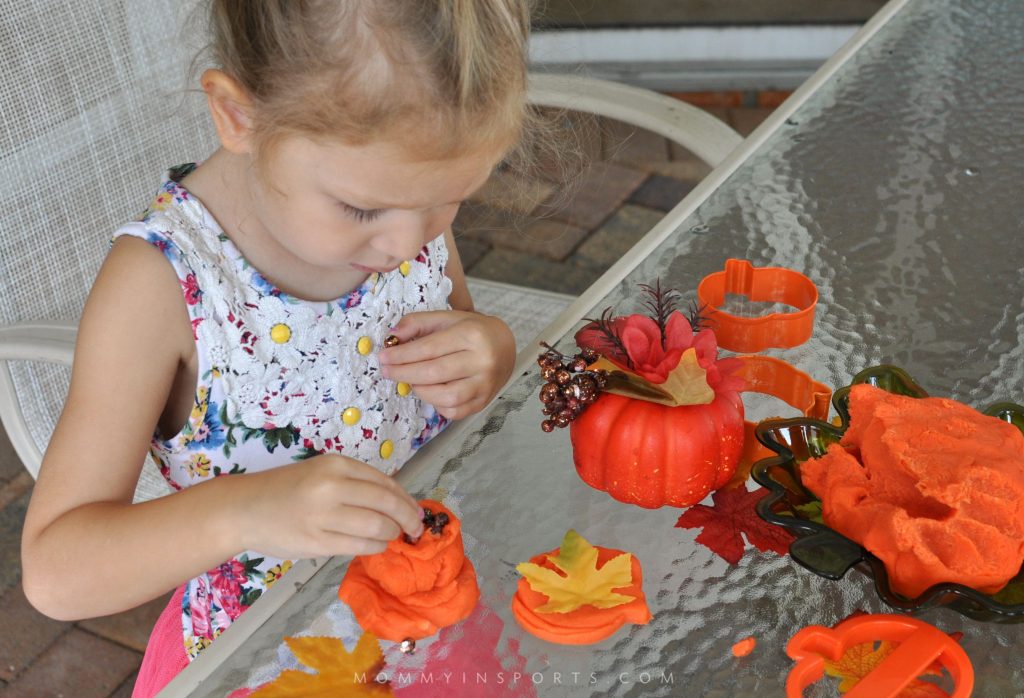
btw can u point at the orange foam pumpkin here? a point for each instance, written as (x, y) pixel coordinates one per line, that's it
(587, 624)
(652, 455)
(411, 590)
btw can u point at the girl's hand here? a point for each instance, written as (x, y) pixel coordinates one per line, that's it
(322, 506)
(454, 360)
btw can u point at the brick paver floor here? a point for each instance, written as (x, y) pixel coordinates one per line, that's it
(531, 232)
(523, 231)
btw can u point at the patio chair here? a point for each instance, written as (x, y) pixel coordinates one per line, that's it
(695, 129)
(91, 104)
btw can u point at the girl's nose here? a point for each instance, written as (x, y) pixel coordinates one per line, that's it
(408, 232)
(404, 237)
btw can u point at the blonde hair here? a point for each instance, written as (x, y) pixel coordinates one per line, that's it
(441, 76)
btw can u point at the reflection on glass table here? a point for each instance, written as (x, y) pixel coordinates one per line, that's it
(891, 180)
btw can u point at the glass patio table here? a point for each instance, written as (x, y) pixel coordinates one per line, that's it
(893, 180)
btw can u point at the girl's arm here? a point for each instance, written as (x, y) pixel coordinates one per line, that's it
(459, 298)
(87, 550)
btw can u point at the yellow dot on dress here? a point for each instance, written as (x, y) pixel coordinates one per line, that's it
(404, 268)
(386, 449)
(280, 333)
(403, 389)
(351, 415)
(364, 346)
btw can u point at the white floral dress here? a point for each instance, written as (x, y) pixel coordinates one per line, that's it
(280, 379)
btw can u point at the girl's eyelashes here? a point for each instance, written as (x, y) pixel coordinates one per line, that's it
(360, 214)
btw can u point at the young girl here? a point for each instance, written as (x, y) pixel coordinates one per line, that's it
(242, 328)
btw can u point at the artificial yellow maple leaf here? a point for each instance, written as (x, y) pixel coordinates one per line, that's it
(339, 672)
(860, 660)
(582, 584)
(687, 384)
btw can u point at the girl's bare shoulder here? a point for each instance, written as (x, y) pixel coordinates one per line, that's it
(135, 309)
(137, 283)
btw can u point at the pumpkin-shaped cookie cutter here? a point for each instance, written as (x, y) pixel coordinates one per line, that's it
(759, 284)
(920, 646)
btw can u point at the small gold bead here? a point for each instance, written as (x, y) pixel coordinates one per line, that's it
(364, 346)
(280, 333)
(391, 341)
(351, 415)
(403, 389)
(386, 449)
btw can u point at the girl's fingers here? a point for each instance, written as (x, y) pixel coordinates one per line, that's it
(421, 324)
(448, 395)
(334, 543)
(448, 332)
(388, 499)
(424, 348)
(434, 371)
(358, 470)
(358, 522)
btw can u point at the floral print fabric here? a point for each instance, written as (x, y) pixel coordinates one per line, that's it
(280, 379)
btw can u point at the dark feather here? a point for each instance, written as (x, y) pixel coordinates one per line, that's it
(660, 304)
(610, 339)
(698, 320)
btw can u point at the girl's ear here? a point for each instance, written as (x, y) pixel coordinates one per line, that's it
(230, 107)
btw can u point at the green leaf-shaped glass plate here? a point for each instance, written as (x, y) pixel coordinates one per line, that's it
(830, 554)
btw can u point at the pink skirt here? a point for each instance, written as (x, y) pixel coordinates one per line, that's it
(165, 652)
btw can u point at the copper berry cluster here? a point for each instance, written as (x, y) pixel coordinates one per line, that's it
(570, 387)
(432, 522)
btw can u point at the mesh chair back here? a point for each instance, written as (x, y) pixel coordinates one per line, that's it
(94, 106)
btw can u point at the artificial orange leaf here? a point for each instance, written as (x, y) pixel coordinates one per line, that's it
(582, 583)
(857, 662)
(339, 672)
(687, 384)
(935, 668)
(860, 660)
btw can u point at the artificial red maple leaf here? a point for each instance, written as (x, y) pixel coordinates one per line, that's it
(733, 514)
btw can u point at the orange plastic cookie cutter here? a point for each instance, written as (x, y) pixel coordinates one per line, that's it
(771, 376)
(920, 644)
(764, 284)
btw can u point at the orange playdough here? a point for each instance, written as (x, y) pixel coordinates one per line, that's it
(930, 486)
(587, 624)
(744, 647)
(413, 590)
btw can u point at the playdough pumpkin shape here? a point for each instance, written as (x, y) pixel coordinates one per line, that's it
(598, 608)
(411, 590)
(582, 583)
